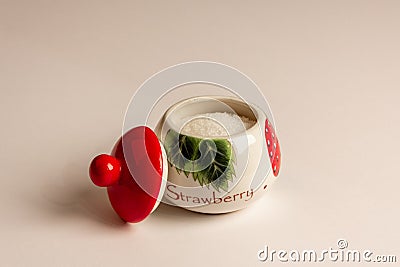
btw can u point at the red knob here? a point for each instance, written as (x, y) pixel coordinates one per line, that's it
(104, 170)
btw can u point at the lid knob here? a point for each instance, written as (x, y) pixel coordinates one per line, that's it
(105, 170)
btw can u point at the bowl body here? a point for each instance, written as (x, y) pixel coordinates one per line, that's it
(216, 174)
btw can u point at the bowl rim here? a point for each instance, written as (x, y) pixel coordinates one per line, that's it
(257, 112)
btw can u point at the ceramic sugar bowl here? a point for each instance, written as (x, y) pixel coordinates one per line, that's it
(208, 154)
(222, 153)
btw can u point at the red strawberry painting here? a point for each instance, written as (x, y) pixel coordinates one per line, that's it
(274, 150)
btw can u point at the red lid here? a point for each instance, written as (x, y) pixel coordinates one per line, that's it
(134, 174)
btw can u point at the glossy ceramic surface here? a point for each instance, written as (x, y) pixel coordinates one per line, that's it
(251, 164)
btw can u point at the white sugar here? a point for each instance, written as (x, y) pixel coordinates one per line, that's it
(215, 124)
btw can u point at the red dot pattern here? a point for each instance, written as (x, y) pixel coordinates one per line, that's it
(274, 151)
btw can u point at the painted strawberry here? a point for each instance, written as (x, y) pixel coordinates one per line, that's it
(274, 151)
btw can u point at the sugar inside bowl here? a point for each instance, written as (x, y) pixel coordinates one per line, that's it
(222, 153)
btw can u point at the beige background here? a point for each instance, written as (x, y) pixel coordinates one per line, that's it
(330, 70)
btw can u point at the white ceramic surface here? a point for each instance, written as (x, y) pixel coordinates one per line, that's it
(252, 165)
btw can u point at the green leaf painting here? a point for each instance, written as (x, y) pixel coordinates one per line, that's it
(207, 161)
